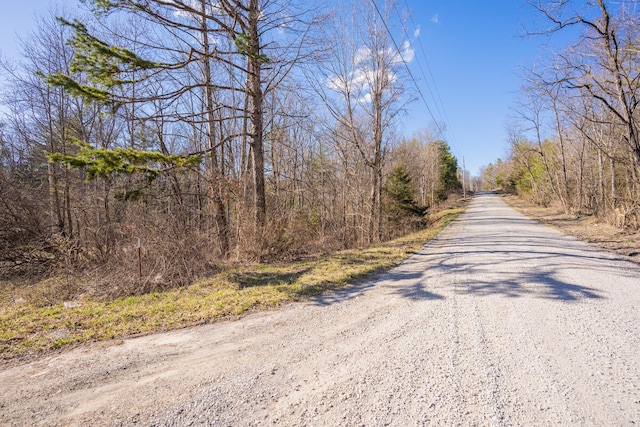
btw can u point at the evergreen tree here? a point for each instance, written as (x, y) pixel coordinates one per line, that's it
(449, 181)
(401, 194)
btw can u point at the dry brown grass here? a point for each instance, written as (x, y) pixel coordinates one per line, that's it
(584, 227)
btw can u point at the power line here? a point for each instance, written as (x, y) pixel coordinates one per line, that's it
(426, 81)
(424, 100)
(435, 85)
(422, 97)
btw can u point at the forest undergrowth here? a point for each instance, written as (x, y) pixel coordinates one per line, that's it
(57, 312)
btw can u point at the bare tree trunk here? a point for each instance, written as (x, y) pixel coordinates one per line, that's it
(563, 158)
(581, 177)
(376, 185)
(68, 223)
(256, 98)
(614, 195)
(57, 223)
(67, 204)
(603, 204)
(380, 234)
(216, 167)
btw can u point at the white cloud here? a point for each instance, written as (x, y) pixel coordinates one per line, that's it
(363, 75)
(416, 33)
(335, 83)
(360, 77)
(366, 99)
(284, 25)
(194, 5)
(362, 54)
(435, 19)
(406, 54)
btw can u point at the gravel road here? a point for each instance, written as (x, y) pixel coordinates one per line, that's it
(499, 321)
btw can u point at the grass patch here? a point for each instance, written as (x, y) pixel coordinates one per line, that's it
(30, 329)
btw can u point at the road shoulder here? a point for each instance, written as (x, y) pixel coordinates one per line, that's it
(583, 227)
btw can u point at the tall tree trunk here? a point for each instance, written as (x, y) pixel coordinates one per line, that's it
(380, 235)
(57, 222)
(66, 191)
(563, 158)
(376, 202)
(372, 206)
(614, 195)
(216, 166)
(603, 204)
(256, 98)
(67, 204)
(580, 201)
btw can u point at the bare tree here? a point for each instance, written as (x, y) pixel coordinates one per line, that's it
(361, 86)
(256, 43)
(594, 86)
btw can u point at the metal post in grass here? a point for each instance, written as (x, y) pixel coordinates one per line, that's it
(139, 247)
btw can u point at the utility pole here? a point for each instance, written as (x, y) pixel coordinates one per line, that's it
(464, 189)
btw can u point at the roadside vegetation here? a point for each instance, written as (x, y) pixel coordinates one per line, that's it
(33, 321)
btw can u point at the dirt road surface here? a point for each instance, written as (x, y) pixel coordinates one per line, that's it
(500, 321)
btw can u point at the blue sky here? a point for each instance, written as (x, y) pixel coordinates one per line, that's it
(18, 18)
(474, 49)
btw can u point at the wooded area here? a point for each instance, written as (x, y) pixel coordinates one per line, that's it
(575, 139)
(146, 142)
